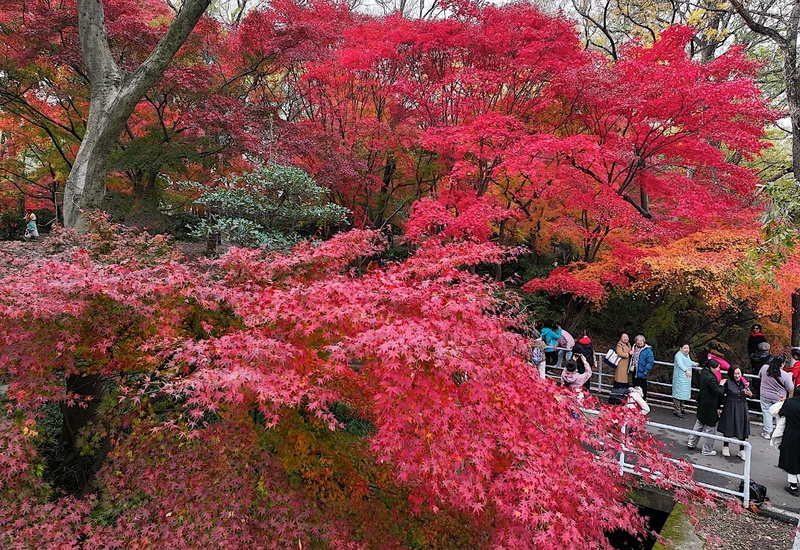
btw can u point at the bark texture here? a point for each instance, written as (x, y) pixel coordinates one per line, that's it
(785, 36)
(114, 95)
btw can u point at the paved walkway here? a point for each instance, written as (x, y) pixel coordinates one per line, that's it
(763, 467)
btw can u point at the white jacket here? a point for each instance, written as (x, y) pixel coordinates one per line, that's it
(780, 425)
(636, 400)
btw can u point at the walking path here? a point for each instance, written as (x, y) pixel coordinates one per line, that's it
(763, 465)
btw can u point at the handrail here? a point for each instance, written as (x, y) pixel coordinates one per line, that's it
(603, 387)
(744, 494)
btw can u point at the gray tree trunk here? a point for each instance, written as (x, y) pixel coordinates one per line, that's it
(114, 95)
(786, 39)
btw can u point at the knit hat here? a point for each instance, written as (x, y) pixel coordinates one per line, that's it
(763, 346)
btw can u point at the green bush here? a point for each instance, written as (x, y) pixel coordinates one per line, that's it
(271, 207)
(12, 226)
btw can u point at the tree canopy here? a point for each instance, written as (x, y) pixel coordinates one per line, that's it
(331, 408)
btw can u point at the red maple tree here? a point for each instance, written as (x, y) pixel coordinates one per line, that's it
(231, 392)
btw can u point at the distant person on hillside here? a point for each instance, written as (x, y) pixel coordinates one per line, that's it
(642, 362)
(623, 349)
(735, 418)
(709, 400)
(31, 230)
(776, 385)
(681, 380)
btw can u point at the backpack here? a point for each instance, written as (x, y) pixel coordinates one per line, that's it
(758, 493)
(617, 395)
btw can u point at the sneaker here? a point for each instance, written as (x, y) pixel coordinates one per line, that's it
(726, 451)
(741, 455)
(792, 491)
(765, 435)
(710, 453)
(691, 447)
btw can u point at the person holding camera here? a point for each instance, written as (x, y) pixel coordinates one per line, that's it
(573, 379)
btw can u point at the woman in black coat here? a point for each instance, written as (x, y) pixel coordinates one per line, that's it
(583, 346)
(789, 460)
(735, 418)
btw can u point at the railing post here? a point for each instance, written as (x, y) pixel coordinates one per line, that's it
(746, 488)
(622, 451)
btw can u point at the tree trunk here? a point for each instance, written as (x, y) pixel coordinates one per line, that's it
(114, 95)
(86, 184)
(787, 43)
(792, 77)
(573, 314)
(796, 318)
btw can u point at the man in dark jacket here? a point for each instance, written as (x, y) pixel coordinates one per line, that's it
(642, 354)
(708, 402)
(760, 357)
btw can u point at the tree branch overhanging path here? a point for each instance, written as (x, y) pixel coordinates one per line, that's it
(114, 95)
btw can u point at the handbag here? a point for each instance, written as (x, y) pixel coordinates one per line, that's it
(758, 493)
(611, 359)
(617, 395)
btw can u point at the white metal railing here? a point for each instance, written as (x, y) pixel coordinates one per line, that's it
(744, 494)
(744, 477)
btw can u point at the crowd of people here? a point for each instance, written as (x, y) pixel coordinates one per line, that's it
(722, 388)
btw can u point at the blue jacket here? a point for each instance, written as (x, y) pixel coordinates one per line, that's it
(550, 338)
(646, 361)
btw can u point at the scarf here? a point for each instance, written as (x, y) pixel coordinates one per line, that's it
(634, 364)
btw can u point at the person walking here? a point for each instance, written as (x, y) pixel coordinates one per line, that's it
(31, 229)
(709, 399)
(789, 460)
(735, 418)
(642, 361)
(623, 349)
(681, 380)
(776, 385)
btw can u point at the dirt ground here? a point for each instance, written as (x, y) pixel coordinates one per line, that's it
(728, 530)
